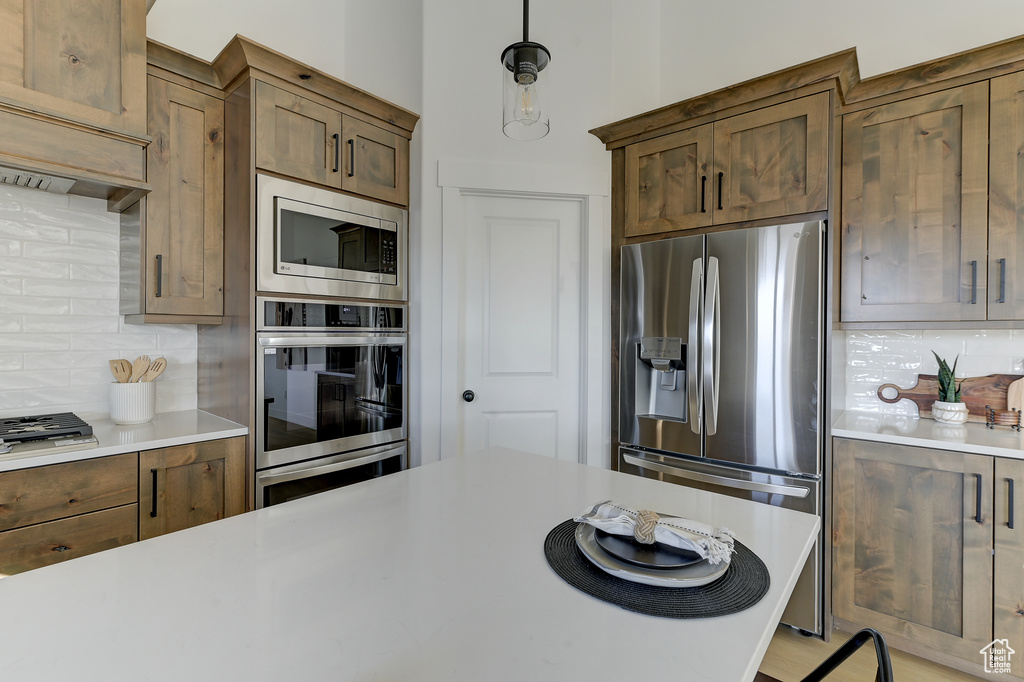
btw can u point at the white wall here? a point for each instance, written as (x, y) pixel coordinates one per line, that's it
(610, 60)
(59, 321)
(708, 45)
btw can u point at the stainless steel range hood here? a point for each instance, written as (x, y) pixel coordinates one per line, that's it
(48, 183)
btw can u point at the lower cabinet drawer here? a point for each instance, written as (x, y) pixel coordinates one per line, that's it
(23, 549)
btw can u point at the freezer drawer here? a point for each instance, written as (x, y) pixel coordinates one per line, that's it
(800, 494)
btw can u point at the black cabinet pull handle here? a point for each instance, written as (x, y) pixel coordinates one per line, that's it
(977, 511)
(720, 176)
(1009, 503)
(60, 548)
(159, 275)
(337, 151)
(152, 511)
(1002, 281)
(974, 282)
(351, 157)
(703, 191)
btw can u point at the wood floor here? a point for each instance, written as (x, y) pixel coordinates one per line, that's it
(791, 656)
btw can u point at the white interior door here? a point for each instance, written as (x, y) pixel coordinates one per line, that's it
(520, 325)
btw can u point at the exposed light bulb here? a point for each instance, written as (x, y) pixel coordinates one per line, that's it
(529, 106)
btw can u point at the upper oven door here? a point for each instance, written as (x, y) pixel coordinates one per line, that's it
(322, 394)
(315, 241)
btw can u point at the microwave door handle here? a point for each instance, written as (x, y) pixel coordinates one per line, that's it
(693, 386)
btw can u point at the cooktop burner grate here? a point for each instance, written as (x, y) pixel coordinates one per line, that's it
(42, 426)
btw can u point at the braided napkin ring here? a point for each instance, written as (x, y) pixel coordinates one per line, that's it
(646, 522)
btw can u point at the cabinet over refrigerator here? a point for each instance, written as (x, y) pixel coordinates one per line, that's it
(721, 372)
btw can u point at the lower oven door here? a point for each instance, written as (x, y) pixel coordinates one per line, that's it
(318, 394)
(291, 482)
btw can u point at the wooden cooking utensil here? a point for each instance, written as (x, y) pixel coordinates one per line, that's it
(139, 368)
(155, 369)
(121, 370)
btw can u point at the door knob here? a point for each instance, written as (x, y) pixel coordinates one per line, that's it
(468, 396)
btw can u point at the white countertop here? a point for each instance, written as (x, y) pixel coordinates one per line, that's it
(165, 430)
(974, 438)
(432, 574)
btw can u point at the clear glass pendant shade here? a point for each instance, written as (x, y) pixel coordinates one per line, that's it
(524, 116)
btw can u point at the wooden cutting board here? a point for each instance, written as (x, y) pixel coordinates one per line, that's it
(976, 392)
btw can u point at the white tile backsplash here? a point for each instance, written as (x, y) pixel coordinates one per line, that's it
(59, 320)
(881, 357)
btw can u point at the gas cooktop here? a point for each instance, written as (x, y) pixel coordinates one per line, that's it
(44, 433)
(43, 426)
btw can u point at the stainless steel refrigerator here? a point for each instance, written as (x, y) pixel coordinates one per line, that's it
(721, 372)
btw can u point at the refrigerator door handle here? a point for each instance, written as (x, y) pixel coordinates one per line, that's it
(693, 386)
(725, 481)
(711, 346)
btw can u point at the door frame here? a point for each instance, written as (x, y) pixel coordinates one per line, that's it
(588, 187)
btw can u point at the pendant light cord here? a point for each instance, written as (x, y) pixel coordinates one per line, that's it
(526, 21)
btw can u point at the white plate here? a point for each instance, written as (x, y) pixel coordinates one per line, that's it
(694, 575)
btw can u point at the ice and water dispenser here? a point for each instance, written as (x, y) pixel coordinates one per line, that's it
(661, 378)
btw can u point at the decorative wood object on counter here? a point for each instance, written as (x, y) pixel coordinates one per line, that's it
(976, 393)
(59, 512)
(72, 85)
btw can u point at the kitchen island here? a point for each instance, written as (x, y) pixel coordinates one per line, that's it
(435, 573)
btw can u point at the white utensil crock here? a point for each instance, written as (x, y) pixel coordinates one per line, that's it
(132, 403)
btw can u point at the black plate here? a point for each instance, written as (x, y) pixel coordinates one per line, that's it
(657, 555)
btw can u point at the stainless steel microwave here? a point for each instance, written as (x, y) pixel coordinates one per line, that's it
(316, 241)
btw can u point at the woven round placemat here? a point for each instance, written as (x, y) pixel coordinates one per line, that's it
(741, 587)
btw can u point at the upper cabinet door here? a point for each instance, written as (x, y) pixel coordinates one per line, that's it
(297, 137)
(914, 208)
(81, 60)
(375, 163)
(773, 161)
(185, 212)
(668, 183)
(1006, 200)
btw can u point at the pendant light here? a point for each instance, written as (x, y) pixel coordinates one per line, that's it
(524, 117)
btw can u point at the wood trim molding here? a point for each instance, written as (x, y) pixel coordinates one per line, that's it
(840, 68)
(163, 59)
(242, 53)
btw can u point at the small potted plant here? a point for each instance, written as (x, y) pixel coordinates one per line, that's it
(948, 409)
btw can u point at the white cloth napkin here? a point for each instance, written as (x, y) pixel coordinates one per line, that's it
(713, 544)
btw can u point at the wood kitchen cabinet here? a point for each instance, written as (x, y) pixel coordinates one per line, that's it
(1008, 612)
(300, 138)
(1006, 199)
(188, 485)
(62, 511)
(80, 60)
(764, 163)
(912, 544)
(914, 205)
(173, 257)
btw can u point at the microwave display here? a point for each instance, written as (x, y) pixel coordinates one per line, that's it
(322, 242)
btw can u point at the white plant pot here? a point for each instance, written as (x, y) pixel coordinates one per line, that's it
(949, 413)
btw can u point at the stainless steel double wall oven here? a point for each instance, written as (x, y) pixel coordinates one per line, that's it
(330, 395)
